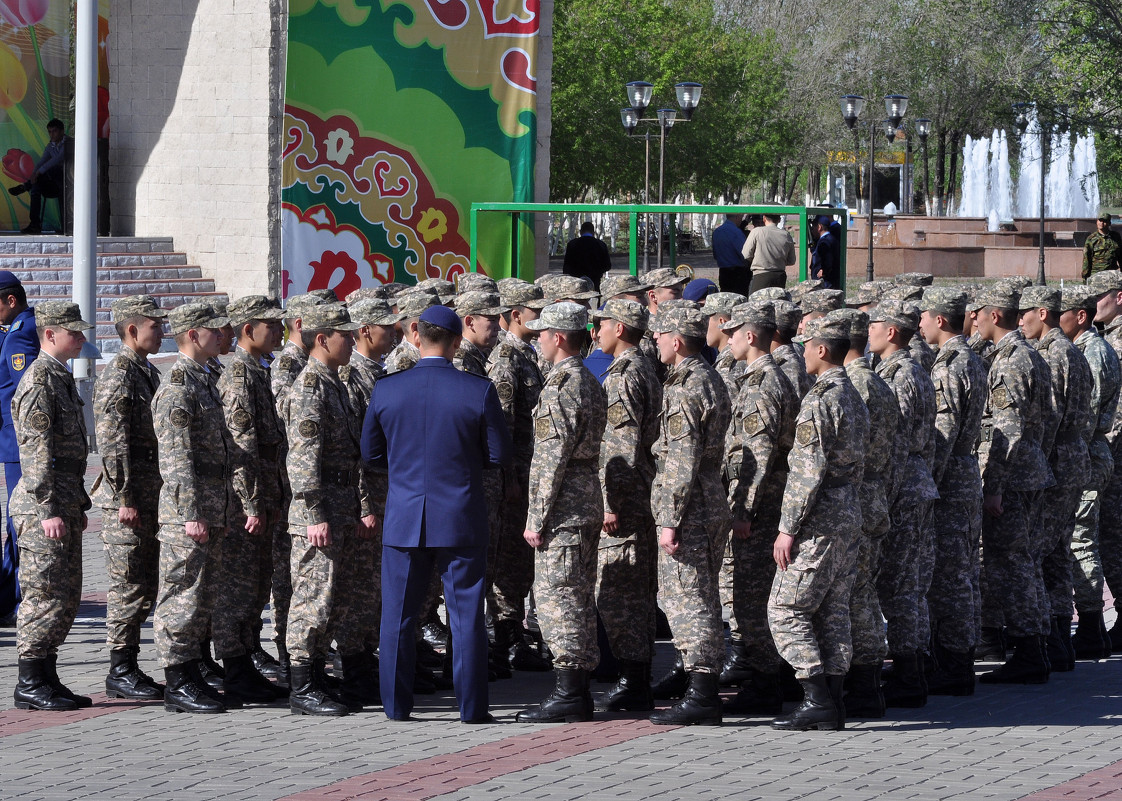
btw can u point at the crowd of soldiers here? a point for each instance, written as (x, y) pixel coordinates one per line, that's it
(915, 476)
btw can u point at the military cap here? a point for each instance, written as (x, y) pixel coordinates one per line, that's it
(869, 293)
(327, 295)
(759, 314)
(787, 315)
(563, 316)
(914, 279)
(825, 328)
(902, 292)
(136, 306)
(902, 314)
(373, 311)
(8, 279)
(1078, 296)
(472, 282)
(858, 321)
(329, 317)
(679, 303)
(395, 288)
(516, 292)
(1106, 281)
(722, 302)
(1018, 281)
(771, 293)
(444, 288)
(252, 307)
(297, 305)
(799, 290)
(614, 285)
(699, 289)
(623, 311)
(367, 293)
(973, 291)
(1105, 217)
(442, 317)
(946, 300)
(665, 277)
(1002, 295)
(414, 301)
(60, 314)
(192, 315)
(568, 287)
(681, 320)
(1040, 297)
(479, 303)
(822, 300)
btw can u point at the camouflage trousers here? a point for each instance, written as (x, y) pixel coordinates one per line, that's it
(809, 606)
(564, 585)
(132, 561)
(323, 585)
(866, 622)
(950, 600)
(687, 583)
(281, 580)
(1010, 590)
(1110, 533)
(363, 613)
(1087, 563)
(189, 575)
(726, 583)
(514, 562)
(1058, 507)
(626, 590)
(493, 490)
(50, 581)
(753, 576)
(246, 567)
(898, 574)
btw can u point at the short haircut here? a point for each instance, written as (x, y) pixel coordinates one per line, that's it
(905, 334)
(181, 337)
(858, 342)
(240, 329)
(123, 326)
(308, 336)
(784, 334)
(1006, 318)
(55, 124)
(632, 336)
(836, 349)
(693, 344)
(764, 333)
(775, 218)
(435, 335)
(587, 227)
(15, 291)
(955, 322)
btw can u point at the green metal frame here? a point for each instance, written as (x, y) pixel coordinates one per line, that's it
(804, 214)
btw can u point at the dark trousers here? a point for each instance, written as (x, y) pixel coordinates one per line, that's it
(9, 563)
(766, 278)
(734, 279)
(405, 578)
(49, 184)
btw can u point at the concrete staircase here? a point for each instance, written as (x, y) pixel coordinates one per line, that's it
(125, 266)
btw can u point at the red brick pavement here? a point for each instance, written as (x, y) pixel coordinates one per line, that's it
(1098, 784)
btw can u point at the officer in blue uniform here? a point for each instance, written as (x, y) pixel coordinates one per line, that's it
(19, 349)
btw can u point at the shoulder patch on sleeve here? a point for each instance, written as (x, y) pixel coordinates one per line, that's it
(805, 433)
(753, 424)
(237, 370)
(177, 377)
(16, 326)
(39, 421)
(755, 379)
(310, 380)
(19, 362)
(121, 362)
(180, 417)
(675, 425)
(544, 428)
(123, 405)
(309, 429)
(284, 362)
(241, 420)
(618, 414)
(505, 389)
(345, 373)
(1000, 398)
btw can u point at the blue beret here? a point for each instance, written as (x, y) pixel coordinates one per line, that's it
(443, 317)
(8, 279)
(698, 289)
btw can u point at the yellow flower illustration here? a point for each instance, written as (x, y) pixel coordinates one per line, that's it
(13, 78)
(433, 225)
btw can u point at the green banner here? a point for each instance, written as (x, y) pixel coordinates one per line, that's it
(399, 114)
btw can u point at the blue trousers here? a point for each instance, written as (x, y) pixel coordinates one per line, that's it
(9, 560)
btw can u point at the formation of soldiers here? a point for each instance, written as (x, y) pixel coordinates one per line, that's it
(917, 476)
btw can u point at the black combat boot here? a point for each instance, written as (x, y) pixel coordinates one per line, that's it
(427, 655)
(51, 668)
(208, 661)
(127, 680)
(267, 666)
(836, 686)
(245, 685)
(185, 692)
(523, 655)
(1026, 666)
(360, 682)
(1057, 647)
(498, 650)
(761, 694)
(953, 674)
(904, 688)
(35, 691)
(673, 685)
(864, 698)
(1105, 632)
(209, 671)
(817, 711)
(1088, 640)
(282, 658)
(1115, 635)
(570, 701)
(632, 692)
(701, 705)
(736, 670)
(308, 696)
(991, 645)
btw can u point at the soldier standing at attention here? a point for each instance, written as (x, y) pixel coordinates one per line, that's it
(691, 511)
(808, 609)
(247, 551)
(787, 356)
(1102, 250)
(566, 512)
(323, 469)
(196, 506)
(409, 305)
(626, 569)
(48, 507)
(128, 490)
(718, 308)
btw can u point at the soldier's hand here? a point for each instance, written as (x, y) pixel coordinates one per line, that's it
(611, 522)
(128, 516)
(197, 530)
(254, 524)
(54, 528)
(781, 550)
(991, 505)
(367, 526)
(319, 535)
(741, 529)
(668, 540)
(534, 538)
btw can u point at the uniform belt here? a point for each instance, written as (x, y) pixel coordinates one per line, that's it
(143, 454)
(75, 467)
(345, 478)
(211, 470)
(268, 452)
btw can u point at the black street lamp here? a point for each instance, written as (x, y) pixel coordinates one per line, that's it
(1023, 111)
(923, 130)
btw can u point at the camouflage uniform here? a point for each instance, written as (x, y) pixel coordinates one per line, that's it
(1101, 252)
(403, 357)
(982, 347)
(790, 360)
(923, 353)
(729, 369)
(1110, 525)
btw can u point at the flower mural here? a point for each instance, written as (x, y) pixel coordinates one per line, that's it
(23, 13)
(17, 165)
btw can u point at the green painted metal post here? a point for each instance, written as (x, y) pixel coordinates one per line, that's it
(473, 238)
(633, 242)
(804, 243)
(515, 217)
(673, 240)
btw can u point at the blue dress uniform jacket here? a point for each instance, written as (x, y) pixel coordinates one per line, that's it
(19, 349)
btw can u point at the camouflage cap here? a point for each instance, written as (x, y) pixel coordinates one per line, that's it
(366, 293)
(914, 279)
(800, 290)
(483, 304)
(946, 300)
(329, 317)
(252, 307)
(822, 300)
(722, 303)
(858, 321)
(870, 293)
(759, 314)
(1078, 296)
(568, 287)
(681, 320)
(474, 282)
(664, 277)
(623, 311)
(60, 314)
(900, 313)
(771, 293)
(1002, 295)
(1106, 281)
(678, 303)
(1040, 297)
(297, 305)
(902, 292)
(1105, 217)
(327, 295)
(1018, 281)
(563, 316)
(614, 285)
(373, 311)
(395, 288)
(413, 301)
(441, 286)
(195, 315)
(973, 291)
(825, 328)
(516, 292)
(137, 306)
(787, 315)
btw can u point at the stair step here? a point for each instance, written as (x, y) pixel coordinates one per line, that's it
(113, 274)
(160, 286)
(65, 244)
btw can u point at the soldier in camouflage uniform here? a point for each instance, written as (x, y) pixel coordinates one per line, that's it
(788, 358)
(903, 575)
(323, 518)
(1014, 472)
(623, 287)
(983, 347)
(409, 305)
(1102, 250)
(821, 514)
(566, 512)
(759, 438)
(691, 510)
(627, 563)
(1065, 445)
(1077, 307)
(910, 287)
(127, 490)
(868, 295)
(196, 506)
(959, 377)
(665, 285)
(819, 304)
(247, 550)
(48, 506)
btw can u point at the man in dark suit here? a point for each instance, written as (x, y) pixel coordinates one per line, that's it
(435, 429)
(587, 256)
